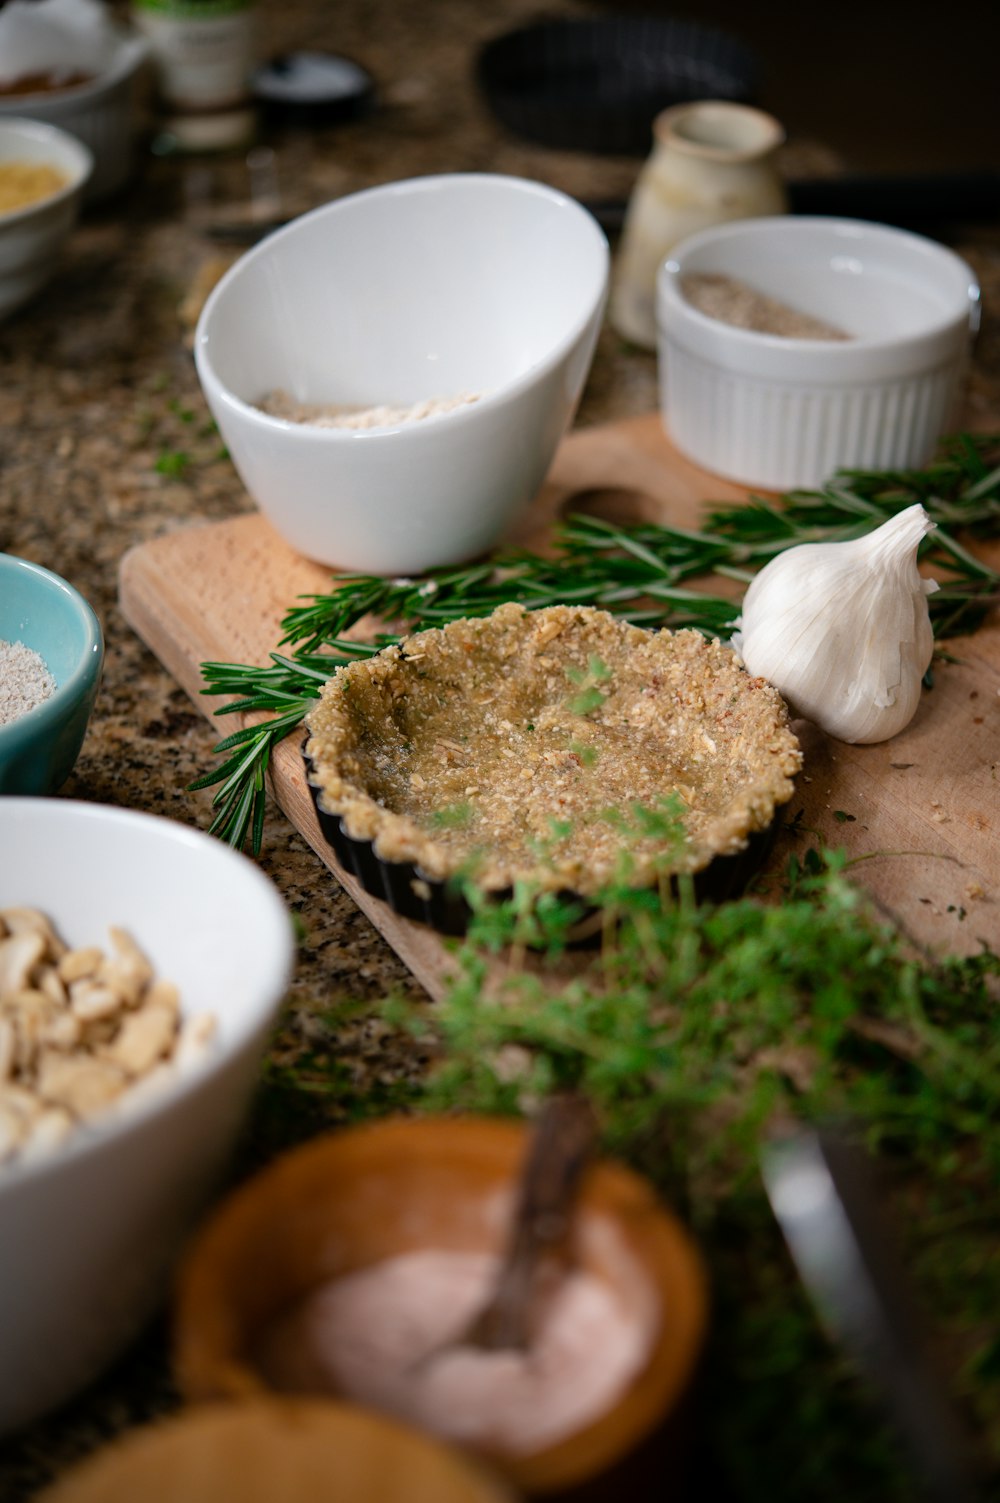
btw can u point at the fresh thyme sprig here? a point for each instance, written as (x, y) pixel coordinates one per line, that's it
(698, 1030)
(642, 573)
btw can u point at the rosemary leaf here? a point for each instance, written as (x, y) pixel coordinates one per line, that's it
(638, 573)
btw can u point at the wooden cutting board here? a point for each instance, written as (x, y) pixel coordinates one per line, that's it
(922, 809)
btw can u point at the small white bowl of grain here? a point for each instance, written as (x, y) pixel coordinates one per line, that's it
(392, 372)
(792, 347)
(43, 172)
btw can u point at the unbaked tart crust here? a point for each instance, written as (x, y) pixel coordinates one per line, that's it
(521, 745)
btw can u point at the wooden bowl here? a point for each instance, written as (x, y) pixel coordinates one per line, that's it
(355, 1198)
(298, 1451)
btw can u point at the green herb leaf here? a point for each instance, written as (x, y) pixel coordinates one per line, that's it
(452, 817)
(587, 755)
(585, 703)
(172, 462)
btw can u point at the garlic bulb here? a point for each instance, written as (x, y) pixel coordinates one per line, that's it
(842, 630)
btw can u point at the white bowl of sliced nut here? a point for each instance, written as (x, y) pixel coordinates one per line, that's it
(141, 966)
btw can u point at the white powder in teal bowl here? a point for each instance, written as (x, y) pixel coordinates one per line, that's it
(25, 681)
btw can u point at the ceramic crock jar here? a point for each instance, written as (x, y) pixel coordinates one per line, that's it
(711, 161)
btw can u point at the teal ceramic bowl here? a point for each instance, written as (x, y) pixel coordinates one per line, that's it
(37, 751)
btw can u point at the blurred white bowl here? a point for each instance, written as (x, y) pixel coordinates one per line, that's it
(101, 113)
(781, 413)
(428, 288)
(88, 1232)
(31, 238)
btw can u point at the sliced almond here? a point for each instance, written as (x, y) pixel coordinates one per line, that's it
(80, 1031)
(195, 1036)
(8, 1048)
(63, 1031)
(28, 1021)
(144, 1037)
(94, 999)
(164, 994)
(84, 1086)
(76, 964)
(129, 972)
(47, 980)
(20, 952)
(23, 1103)
(32, 921)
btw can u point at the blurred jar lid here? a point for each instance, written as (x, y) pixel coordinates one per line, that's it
(263, 1451)
(312, 88)
(596, 85)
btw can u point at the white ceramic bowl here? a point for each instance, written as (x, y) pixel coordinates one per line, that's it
(32, 238)
(782, 413)
(421, 289)
(102, 114)
(88, 1232)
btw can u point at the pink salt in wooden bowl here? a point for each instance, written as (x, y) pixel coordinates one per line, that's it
(358, 1198)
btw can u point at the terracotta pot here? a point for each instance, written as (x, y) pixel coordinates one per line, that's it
(355, 1198)
(294, 1450)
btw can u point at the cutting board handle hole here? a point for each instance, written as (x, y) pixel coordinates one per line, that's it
(625, 508)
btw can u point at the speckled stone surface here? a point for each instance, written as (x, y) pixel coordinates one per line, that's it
(99, 405)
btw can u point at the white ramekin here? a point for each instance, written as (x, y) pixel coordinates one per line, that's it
(782, 413)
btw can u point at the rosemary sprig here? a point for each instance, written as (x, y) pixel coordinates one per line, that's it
(638, 571)
(285, 689)
(641, 573)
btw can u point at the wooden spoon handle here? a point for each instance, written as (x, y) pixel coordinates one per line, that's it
(560, 1148)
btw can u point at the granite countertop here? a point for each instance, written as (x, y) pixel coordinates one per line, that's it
(105, 442)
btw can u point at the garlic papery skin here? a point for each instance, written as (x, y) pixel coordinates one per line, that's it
(842, 630)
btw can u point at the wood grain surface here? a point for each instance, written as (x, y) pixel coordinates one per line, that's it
(921, 809)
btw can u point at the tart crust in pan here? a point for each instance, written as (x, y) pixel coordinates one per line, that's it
(540, 745)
